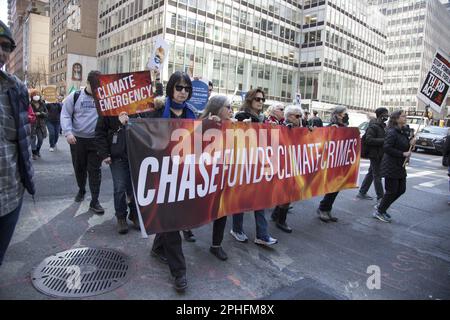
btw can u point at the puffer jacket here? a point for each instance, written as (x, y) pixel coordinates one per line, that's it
(375, 139)
(395, 143)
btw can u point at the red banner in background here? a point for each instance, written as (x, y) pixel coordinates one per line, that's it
(188, 173)
(124, 92)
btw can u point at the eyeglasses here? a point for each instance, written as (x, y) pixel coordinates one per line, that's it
(186, 89)
(7, 46)
(260, 99)
(280, 109)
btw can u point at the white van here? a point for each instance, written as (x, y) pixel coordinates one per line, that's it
(415, 121)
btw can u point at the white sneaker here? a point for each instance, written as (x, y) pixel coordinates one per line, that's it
(51, 149)
(241, 237)
(266, 242)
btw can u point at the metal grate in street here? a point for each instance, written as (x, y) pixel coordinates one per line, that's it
(81, 272)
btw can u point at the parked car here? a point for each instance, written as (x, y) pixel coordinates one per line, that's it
(432, 138)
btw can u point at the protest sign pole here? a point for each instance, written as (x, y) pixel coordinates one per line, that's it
(411, 147)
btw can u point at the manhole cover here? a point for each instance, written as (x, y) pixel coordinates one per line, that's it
(81, 272)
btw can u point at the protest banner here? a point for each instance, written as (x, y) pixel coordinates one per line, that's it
(159, 56)
(435, 87)
(123, 92)
(188, 173)
(49, 94)
(200, 90)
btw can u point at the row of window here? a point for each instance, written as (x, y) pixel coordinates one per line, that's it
(60, 52)
(59, 65)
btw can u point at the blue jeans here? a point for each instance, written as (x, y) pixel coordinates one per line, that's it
(260, 220)
(7, 226)
(122, 188)
(53, 132)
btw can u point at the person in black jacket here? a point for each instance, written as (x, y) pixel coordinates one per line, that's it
(110, 140)
(396, 151)
(446, 153)
(315, 121)
(53, 122)
(326, 205)
(375, 139)
(38, 129)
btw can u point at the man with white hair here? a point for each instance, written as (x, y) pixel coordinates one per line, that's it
(275, 114)
(293, 118)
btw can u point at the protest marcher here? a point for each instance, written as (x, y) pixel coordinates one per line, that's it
(326, 205)
(315, 121)
(293, 118)
(54, 122)
(16, 171)
(167, 246)
(78, 121)
(275, 114)
(251, 111)
(38, 128)
(305, 121)
(218, 109)
(346, 119)
(446, 153)
(110, 139)
(210, 88)
(396, 151)
(374, 140)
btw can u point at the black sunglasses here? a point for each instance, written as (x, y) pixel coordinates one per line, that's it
(7, 47)
(260, 99)
(179, 88)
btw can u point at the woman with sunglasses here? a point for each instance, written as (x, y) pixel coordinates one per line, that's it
(218, 109)
(251, 111)
(167, 246)
(326, 205)
(293, 119)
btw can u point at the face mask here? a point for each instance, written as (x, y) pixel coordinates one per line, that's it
(384, 119)
(36, 98)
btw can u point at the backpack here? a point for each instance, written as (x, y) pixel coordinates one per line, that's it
(76, 96)
(364, 147)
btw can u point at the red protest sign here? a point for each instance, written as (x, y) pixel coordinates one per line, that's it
(123, 92)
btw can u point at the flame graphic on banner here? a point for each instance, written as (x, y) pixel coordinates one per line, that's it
(287, 165)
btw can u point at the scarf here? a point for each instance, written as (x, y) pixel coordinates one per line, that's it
(177, 106)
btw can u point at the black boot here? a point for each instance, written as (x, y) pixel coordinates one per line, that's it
(281, 222)
(275, 212)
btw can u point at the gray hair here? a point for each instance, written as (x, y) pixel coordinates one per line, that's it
(292, 109)
(337, 110)
(274, 107)
(214, 105)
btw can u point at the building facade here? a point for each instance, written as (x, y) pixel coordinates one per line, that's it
(238, 45)
(16, 17)
(342, 54)
(73, 42)
(416, 29)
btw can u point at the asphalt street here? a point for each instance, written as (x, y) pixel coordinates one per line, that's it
(317, 261)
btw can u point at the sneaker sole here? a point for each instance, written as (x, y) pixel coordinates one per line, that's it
(97, 211)
(181, 289)
(381, 219)
(238, 240)
(265, 244)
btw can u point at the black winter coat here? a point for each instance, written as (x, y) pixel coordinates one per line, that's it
(242, 115)
(54, 111)
(395, 143)
(375, 134)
